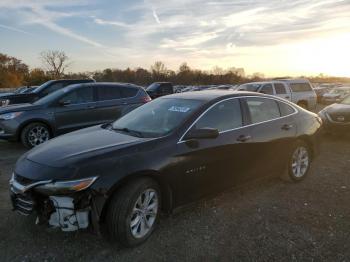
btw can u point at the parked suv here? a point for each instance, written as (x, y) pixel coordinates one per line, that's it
(73, 107)
(39, 92)
(159, 89)
(298, 91)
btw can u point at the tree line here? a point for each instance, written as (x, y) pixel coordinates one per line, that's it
(14, 73)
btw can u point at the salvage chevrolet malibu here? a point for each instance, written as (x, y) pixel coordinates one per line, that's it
(116, 178)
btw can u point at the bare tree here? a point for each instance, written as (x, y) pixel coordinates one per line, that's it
(55, 61)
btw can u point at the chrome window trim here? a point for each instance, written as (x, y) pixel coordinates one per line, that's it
(244, 126)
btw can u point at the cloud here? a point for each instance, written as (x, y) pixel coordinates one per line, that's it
(106, 22)
(14, 29)
(41, 13)
(154, 13)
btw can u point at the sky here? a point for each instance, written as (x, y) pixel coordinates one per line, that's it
(274, 37)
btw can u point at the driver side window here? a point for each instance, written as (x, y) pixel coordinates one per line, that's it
(223, 116)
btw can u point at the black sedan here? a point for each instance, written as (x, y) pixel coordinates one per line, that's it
(68, 109)
(174, 150)
(336, 117)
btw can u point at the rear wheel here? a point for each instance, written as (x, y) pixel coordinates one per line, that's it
(133, 212)
(299, 162)
(303, 105)
(35, 134)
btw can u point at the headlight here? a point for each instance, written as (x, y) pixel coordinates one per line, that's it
(65, 187)
(9, 116)
(4, 102)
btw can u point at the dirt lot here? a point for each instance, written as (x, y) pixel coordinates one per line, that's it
(266, 221)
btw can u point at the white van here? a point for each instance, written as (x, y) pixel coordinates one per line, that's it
(298, 91)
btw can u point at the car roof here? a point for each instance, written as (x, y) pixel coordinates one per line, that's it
(102, 83)
(208, 95)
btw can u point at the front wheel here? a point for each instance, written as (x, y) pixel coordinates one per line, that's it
(134, 212)
(35, 134)
(299, 162)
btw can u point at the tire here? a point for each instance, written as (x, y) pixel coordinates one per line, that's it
(121, 215)
(35, 134)
(299, 162)
(303, 105)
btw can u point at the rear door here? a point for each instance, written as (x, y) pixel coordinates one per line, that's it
(282, 91)
(110, 102)
(115, 101)
(76, 109)
(273, 134)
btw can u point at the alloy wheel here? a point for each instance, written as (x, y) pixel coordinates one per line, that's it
(300, 162)
(144, 213)
(38, 135)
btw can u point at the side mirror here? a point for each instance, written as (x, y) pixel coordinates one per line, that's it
(64, 103)
(202, 133)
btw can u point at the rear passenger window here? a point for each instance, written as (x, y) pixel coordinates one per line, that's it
(128, 91)
(79, 96)
(285, 109)
(108, 93)
(280, 89)
(262, 109)
(267, 89)
(223, 116)
(300, 87)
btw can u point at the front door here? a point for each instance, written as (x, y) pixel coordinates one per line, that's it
(75, 110)
(209, 165)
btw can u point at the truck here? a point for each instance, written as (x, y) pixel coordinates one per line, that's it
(298, 91)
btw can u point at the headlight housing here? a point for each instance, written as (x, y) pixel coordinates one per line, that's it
(65, 187)
(9, 116)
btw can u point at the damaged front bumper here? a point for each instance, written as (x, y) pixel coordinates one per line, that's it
(70, 212)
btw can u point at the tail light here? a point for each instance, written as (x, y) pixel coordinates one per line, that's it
(145, 99)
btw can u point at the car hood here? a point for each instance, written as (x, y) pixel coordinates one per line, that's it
(18, 108)
(67, 150)
(339, 111)
(5, 94)
(331, 95)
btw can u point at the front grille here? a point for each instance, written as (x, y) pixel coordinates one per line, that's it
(23, 204)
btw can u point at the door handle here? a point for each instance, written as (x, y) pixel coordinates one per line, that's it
(243, 138)
(286, 127)
(91, 107)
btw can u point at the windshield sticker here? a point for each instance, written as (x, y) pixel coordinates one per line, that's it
(179, 109)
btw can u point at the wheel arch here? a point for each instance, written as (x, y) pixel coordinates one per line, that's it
(31, 121)
(166, 191)
(305, 102)
(308, 141)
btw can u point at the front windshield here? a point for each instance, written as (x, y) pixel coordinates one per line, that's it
(152, 87)
(50, 97)
(250, 87)
(157, 118)
(346, 101)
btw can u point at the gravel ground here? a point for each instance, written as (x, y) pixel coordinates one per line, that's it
(269, 220)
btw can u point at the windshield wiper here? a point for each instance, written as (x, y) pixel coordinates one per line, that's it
(127, 130)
